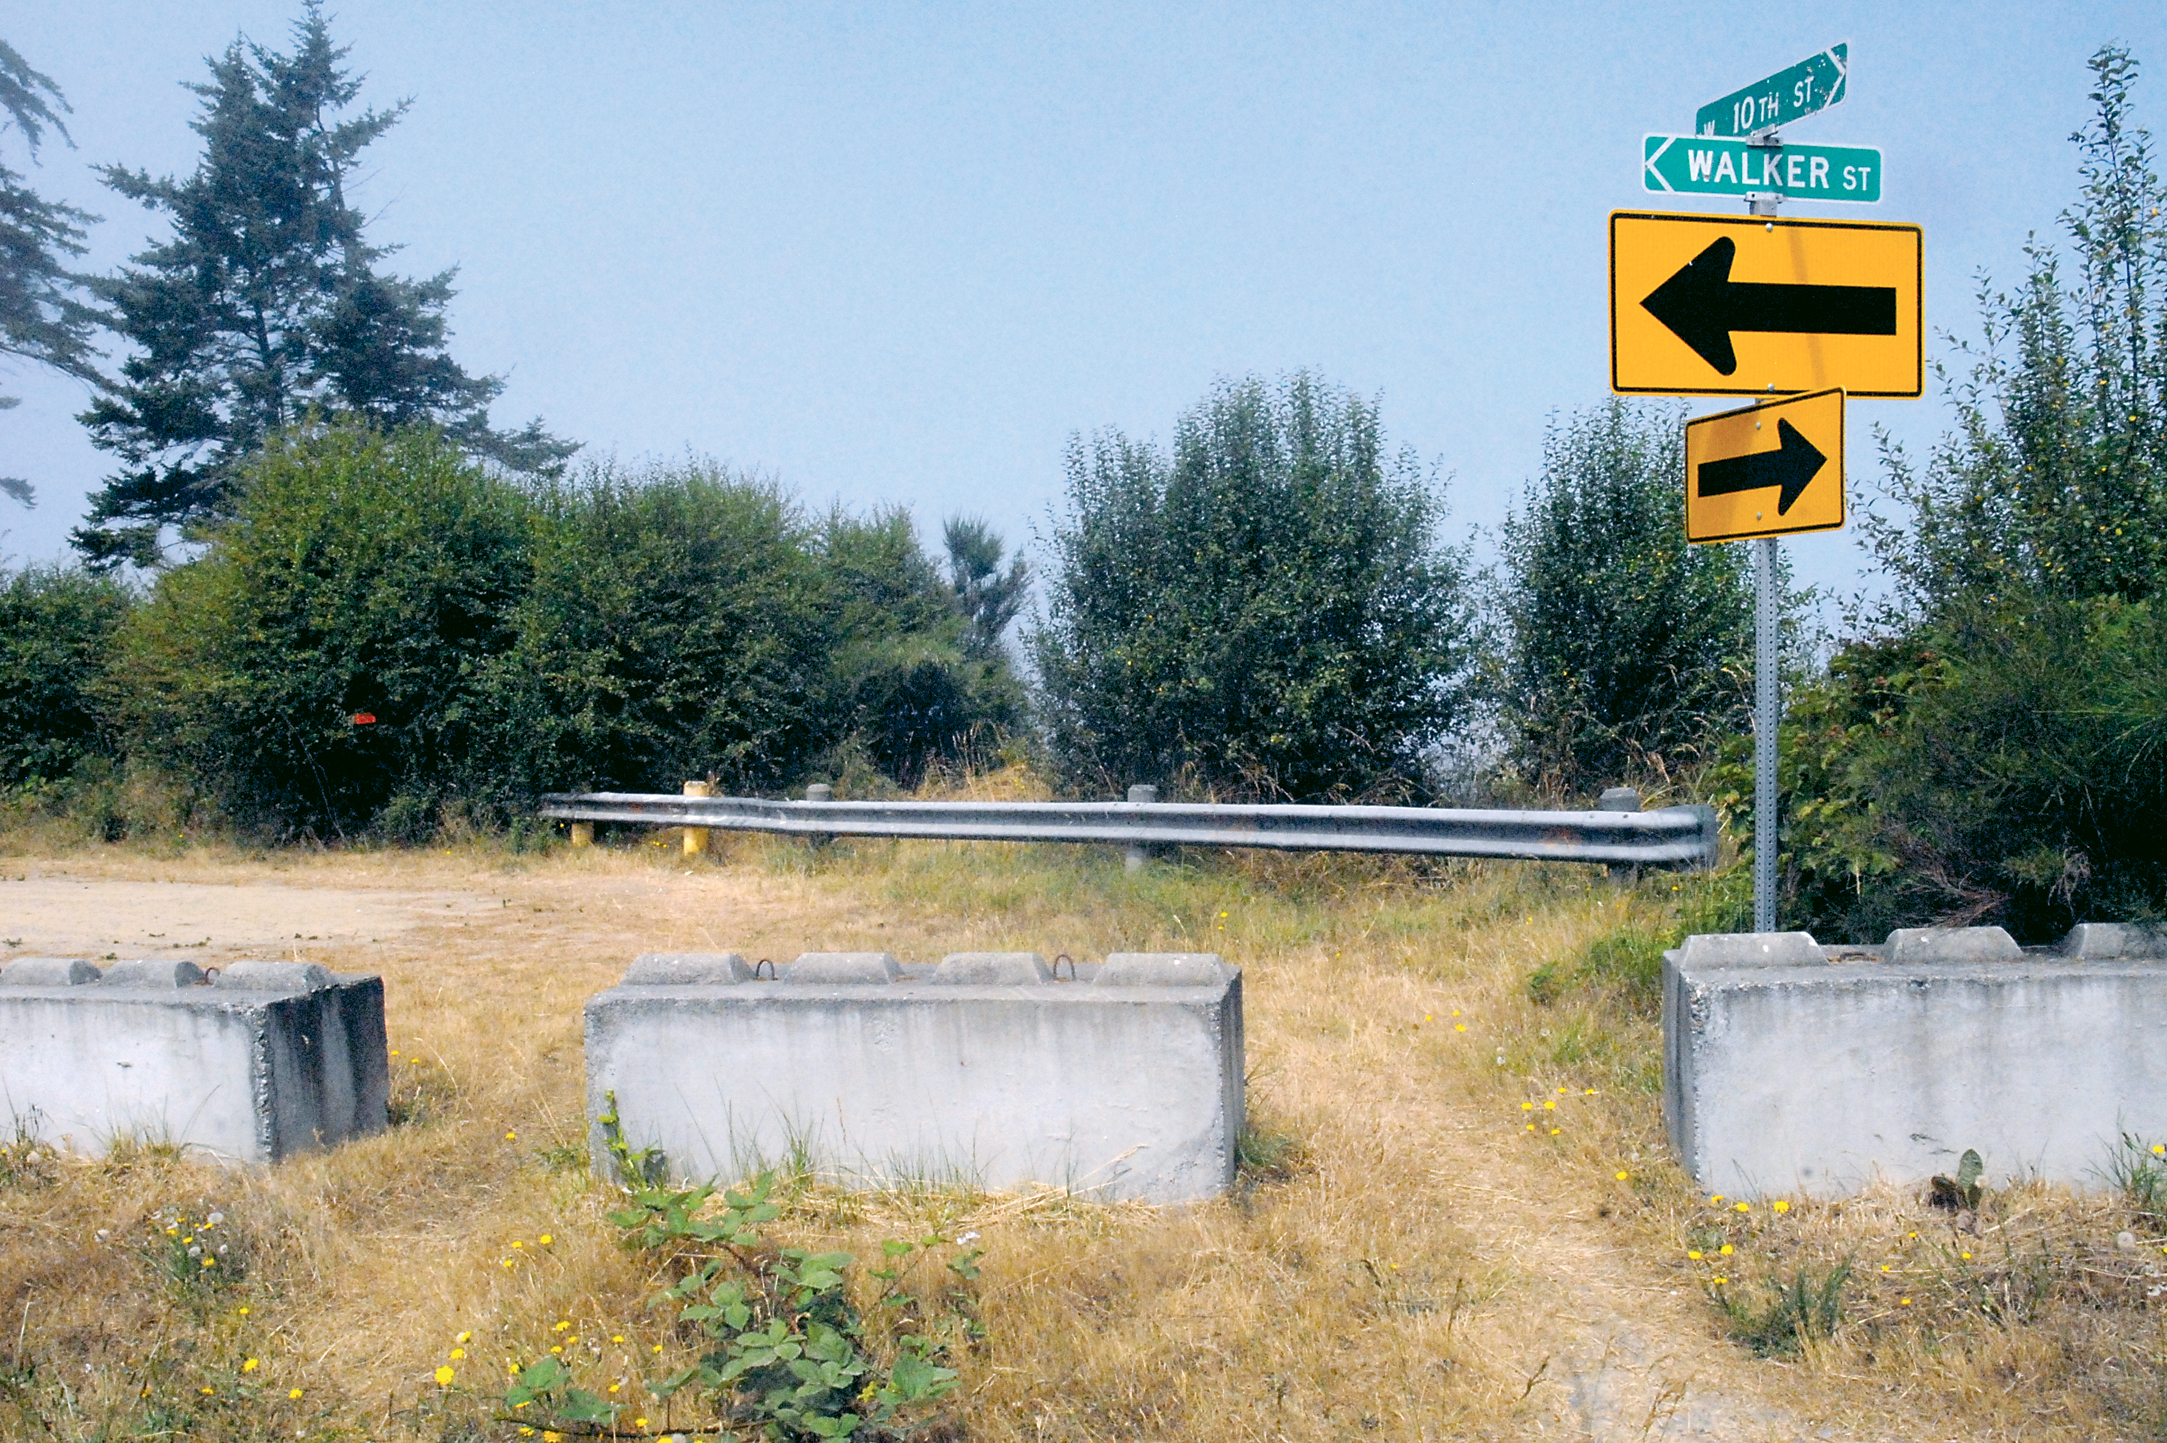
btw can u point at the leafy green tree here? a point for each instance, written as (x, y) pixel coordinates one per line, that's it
(42, 316)
(1990, 749)
(910, 679)
(989, 597)
(2055, 476)
(267, 305)
(322, 669)
(1266, 611)
(1628, 652)
(56, 633)
(675, 628)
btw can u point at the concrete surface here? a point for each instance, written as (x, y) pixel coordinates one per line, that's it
(273, 1059)
(979, 1070)
(1825, 1070)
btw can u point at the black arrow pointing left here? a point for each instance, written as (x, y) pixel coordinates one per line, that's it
(1702, 305)
(1794, 463)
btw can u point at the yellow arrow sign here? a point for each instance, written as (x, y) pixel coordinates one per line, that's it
(1766, 470)
(1739, 306)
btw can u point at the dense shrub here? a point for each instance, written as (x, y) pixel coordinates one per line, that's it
(913, 680)
(1266, 611)
(1628, 653)
(362, 577)
(674, 629)
(1993, 747)
(2007, 766)
(56, 634)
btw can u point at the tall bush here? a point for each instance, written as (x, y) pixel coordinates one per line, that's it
(1993, 747)
(320, 669)
(56, 635)
(912, 680)
(674, 629)
(1266, 610)
(1628, 653)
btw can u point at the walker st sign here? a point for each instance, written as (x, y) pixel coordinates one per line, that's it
(1813, 84)
(1697, 165)
(1766, 470)
(1746, 306)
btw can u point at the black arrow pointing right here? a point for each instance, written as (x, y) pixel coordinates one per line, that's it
(1792, 465)
(1702, 305)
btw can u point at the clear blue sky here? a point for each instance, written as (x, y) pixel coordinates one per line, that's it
(899, 253)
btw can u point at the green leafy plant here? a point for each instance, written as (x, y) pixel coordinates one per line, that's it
(1962, 1191)
(787, 1354)
(2138, 1171)
(1781, 1313)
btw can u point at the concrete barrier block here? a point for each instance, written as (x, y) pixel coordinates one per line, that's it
(1816, 1078)
(844, 968)
(684, 969)
(2110, 941)
(1911, 945)
(278, 1058)
(883, 1074)
(1162, 969)
(49, 972)
(1753, 949)
(153, 972)
(992, 969)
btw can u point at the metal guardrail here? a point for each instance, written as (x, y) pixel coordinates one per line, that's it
(1669, 836)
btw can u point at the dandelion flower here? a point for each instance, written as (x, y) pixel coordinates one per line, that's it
(639, 1422)
(462, 1337)
(507, 1262)
(511, 1137)
(457, 1353)
(1721, 1280)
(658, 1347)
(1780, 1205)
(1550, 1105)
(1459, 1027)
(250, 1365)
(616, 1337)
(547, 1238)
(1715, 1199)
(1531, 1127)
(444, 1375)
(1623, 1176)
(1694, 1254)
(1555, 1131)
(1527, 1107)
(1745, 1207)
(563, 1323)
(207, 1392)
(2159, 1149)
(615, 1386)
(1967, 1257)
(244, 1312)
(1903, 1302)
(295, 1394)
(1725, 1250)
(518, 1244)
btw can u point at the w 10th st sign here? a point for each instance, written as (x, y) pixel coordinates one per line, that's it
(1742, 306)
(1812, 85)
(1766, 470)
(1698, 165)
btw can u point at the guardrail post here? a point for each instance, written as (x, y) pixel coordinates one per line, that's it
(1138, 854)
(582, 834)
(696, 837)
(1620, 799)
(820, 792)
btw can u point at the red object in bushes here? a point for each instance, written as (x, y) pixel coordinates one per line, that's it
(364, 718)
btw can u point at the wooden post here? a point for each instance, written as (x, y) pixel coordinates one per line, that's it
(696, 837)
(582, 834)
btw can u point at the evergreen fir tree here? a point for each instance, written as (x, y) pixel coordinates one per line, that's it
(266, 305)
(42, 318)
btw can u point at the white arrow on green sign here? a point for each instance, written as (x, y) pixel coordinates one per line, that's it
(1703, 165)
(1815, 83)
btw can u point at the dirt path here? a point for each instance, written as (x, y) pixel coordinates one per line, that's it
(1609, 1346)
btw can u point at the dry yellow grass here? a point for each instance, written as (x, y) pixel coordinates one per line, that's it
(1444, 1250)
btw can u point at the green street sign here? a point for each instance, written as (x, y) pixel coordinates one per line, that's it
(1813, 84)
(1702, 165)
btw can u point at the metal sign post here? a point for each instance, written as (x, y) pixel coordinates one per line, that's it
(1767, 715)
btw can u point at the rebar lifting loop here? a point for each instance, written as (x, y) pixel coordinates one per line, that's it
(1058, 960)
(767, 962)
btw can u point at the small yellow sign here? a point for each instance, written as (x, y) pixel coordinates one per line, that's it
(1766, 470)
(1742, 306)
